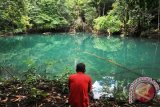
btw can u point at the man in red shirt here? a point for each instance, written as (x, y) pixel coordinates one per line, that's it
(80, 85)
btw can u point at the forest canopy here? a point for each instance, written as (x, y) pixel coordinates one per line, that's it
(123, 16)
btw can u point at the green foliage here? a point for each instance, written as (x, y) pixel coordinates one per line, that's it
(31, 76)
(101, 6)
(120, 92)
(125, 15)
(135, 16)
(64, 75)
(13, 16)
(62, 79)
(100, 23)
(90, 15)
(107, 22)
(36, 93)
(81, 8)
(48, 14)
(19, 16)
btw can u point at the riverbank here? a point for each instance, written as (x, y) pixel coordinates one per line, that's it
(153, 34)
(48, 93)
(40, 93)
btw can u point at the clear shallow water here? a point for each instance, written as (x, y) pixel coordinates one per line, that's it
(123, 58)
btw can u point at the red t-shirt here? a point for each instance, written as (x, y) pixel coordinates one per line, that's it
(79, 86)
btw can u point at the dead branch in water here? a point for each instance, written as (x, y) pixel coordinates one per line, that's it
(113, 62)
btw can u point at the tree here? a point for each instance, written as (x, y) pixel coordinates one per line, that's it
(132, 16)
(136, 15)
(82, 14)
(158, 14)
(13, 17)
(107, 23)
(49, 14)
(102, 6)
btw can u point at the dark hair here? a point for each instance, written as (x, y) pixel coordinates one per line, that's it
(80, 67)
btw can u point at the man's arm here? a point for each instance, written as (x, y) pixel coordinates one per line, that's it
(90, 85)
(90, 93)
(69, 83)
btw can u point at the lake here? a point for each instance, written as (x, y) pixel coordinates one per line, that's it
(123, 58)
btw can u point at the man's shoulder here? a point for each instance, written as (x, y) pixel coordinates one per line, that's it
(72, 75)
(76, 76)
(87, 76)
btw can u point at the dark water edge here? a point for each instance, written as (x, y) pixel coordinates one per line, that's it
(35, 31)
(154, 34)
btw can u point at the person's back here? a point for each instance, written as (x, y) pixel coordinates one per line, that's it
(79, 86)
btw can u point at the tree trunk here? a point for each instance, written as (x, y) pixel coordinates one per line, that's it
(104, 6)
(99, 11)
(158, 15)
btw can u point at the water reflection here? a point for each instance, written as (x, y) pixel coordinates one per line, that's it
(121, 58)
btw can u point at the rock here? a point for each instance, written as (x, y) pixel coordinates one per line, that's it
(47, 33)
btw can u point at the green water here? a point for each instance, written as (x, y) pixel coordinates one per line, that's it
(123, 58)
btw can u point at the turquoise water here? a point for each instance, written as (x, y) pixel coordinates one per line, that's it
(122, 58)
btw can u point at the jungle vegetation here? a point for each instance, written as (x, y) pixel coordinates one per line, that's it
(129, 17)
